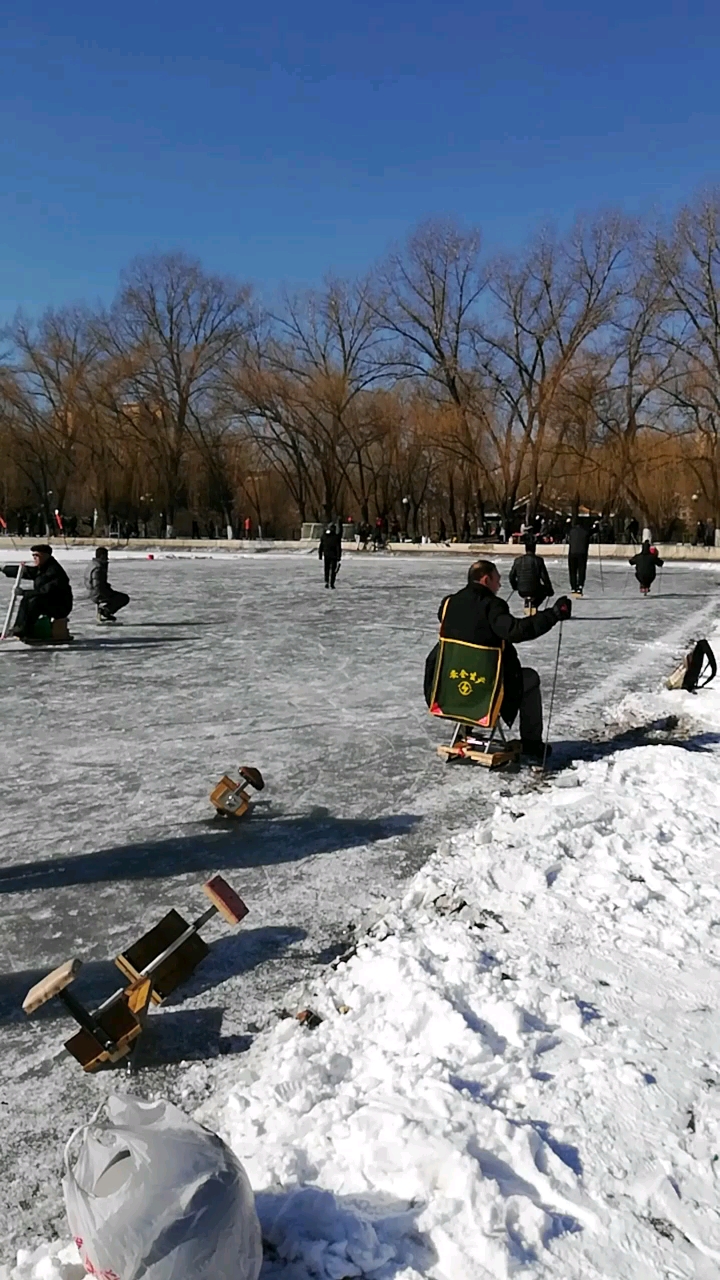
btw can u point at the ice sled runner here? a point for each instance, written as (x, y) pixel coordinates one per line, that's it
(155, 965)
(468, 688)
(48, 631)
(231, 798)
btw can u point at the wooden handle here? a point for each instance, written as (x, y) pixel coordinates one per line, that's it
(253, 776)
(225, 900)
(51, 985)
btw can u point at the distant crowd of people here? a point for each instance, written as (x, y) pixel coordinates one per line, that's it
(38, 525)
(367, 535)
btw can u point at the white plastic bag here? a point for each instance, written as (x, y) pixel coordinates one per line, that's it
(154, 1196)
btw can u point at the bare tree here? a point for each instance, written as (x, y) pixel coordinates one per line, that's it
(547, 307)
(688, 263)
(46, 394)
(310, 398)
(176, 329)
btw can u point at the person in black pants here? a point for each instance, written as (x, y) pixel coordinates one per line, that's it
(476, 615)
(578, 546)
(330, 550)
(51, 594)
(108, 602)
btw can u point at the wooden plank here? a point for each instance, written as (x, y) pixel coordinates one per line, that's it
(51, 985)
(225, 900)
(49, 640)
(490, 759)
(138, 996)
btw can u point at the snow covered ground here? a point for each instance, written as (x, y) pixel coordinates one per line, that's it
(464, 1109)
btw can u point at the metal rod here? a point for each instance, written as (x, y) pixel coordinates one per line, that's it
(552, 696)
(87, 1021)
(602, 580)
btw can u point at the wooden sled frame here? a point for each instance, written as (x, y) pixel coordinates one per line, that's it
(492, 752)
(232, 799)
(59, 634)
(155, 965)
(482, 741)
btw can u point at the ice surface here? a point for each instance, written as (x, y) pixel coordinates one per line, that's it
(112, 746)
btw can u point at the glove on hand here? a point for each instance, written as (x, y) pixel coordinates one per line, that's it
(562, 608)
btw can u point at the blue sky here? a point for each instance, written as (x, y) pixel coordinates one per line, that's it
(280, 141)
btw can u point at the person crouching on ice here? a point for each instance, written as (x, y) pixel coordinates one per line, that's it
(475, 615)
(646, 564)
(530, 578)
(51, 595)
(108, 602)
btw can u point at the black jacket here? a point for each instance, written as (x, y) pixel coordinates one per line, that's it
(530, 578)
(646, 566)
(578, 540)
(49, 581)
(477, 616)
(330, 546)
(96, 581)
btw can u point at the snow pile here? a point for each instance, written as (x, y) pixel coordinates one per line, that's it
(518, 1075)
(518, 1072)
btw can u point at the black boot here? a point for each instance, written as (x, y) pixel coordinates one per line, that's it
(535, 749)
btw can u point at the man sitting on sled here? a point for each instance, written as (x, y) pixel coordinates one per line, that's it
(475, 615)
(51, 593)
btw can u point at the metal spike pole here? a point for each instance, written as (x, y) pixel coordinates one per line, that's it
(15, 593)
(552, 696)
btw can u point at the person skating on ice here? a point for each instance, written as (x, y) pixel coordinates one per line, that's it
(530, 578)
(578, 547)
(108, 602)
(475, 615)
(330, 550)
(51, 594)
(646, 564)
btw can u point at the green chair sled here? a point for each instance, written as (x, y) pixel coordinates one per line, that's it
(468, 689)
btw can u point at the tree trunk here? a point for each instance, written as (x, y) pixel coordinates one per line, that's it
(451, 503)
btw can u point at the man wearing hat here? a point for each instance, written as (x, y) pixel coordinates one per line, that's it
(51, 593)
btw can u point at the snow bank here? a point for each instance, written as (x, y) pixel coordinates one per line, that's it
(516, 1075)
(518, 1072)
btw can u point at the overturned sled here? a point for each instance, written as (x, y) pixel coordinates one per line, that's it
(698, 668)
(232, 799)
(467, 688)
(154, 966)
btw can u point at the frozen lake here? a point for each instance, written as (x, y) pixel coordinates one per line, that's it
(112, 746)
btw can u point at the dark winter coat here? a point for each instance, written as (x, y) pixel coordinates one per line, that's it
(96, 581)
(646, 565)
(578, 540)
(530, 578)
(330, 546)
(477, 616)
(50, 584)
